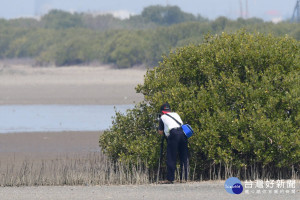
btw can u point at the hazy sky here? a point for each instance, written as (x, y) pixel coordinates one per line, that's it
(265, 9)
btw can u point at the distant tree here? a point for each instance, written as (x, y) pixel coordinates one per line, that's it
(101, 22)
(219, 24)
(167, 15)
(296, 33)
(139, 22)
(126, 49)
(57, 19)
(24, 23)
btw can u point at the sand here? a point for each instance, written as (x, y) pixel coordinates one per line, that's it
(200, 190)
(100, 85)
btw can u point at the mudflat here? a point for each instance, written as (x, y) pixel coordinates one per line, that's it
(100, 85)
(17, 147)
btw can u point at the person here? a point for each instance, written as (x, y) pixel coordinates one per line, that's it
(176, 142)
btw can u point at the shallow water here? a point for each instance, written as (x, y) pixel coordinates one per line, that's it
(56, 118)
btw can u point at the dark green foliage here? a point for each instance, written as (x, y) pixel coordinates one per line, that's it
(132, 136)
(240, 93)
(166, 15)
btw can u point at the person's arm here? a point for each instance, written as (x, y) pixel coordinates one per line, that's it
(161, 127)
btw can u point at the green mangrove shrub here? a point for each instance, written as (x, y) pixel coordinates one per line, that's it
(239, 92)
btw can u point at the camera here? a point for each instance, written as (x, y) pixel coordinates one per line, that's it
(158, 115)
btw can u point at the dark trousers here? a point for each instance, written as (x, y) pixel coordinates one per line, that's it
(177, 143)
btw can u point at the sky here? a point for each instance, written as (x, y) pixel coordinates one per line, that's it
(269, 10)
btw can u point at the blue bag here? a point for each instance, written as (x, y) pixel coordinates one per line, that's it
(187, 129)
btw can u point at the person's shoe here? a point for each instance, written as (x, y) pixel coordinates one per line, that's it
(166, 182)
(183, 181)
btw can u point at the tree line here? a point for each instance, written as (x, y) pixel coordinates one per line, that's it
(62, 38)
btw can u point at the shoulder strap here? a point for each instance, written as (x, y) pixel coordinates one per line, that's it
(174, 119)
